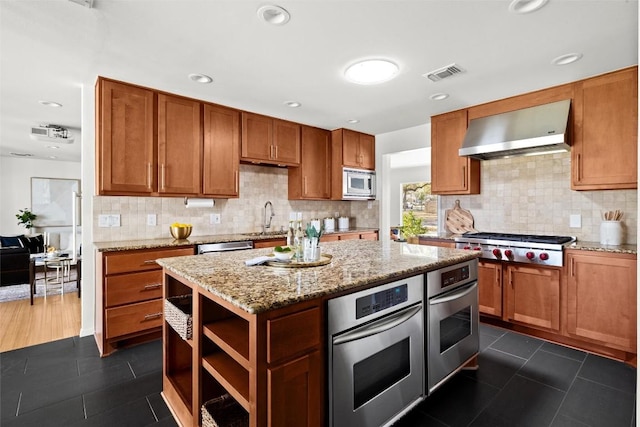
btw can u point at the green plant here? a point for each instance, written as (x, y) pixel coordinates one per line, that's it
(411, 225)
(26, 217)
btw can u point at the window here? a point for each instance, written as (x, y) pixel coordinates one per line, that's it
(417, 198)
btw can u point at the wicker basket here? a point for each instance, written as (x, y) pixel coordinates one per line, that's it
(223, 411)
(177, 313)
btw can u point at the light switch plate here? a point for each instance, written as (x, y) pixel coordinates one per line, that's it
(214, 218)
(152, 219)
(103, 221)
(575, 221)
(114, 220)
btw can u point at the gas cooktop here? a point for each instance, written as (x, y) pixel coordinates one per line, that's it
(530, 238)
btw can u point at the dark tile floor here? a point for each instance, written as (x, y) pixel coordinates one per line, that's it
(522, 381)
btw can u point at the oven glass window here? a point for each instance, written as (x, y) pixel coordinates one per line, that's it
(455, 328)
(380, 371)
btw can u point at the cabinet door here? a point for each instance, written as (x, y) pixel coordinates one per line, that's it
(295, 392)
(450, 173)
(286, 142)
(369, 236)
(601, 298)
(179, 145)
(125, 153)
(490, 288)
(257, 137)
(350, 148)
(533, 296)
(312, 180)
(221, 161)
(604, 153)
(367, 149)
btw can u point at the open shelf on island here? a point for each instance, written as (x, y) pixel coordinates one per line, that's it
(232, 336)
(232, 376)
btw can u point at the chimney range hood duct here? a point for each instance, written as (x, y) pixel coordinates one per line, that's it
(537, 130)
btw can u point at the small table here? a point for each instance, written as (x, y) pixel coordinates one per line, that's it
(59, 263)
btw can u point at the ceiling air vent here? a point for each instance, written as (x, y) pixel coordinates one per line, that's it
(443, 73)
(51, 133)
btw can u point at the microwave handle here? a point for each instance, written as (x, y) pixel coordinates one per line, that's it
(380, 326)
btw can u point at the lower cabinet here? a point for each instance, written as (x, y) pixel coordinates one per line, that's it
(601, 298)
(129, 297)
(490, 288)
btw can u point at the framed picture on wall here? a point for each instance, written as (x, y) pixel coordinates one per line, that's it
(52, 200)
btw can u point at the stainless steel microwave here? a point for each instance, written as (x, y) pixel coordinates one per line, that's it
(358, 184)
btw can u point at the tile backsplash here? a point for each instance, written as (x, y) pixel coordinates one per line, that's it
(533, 195)
(258, 184)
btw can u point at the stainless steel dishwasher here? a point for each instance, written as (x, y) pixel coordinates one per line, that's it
(224, 247)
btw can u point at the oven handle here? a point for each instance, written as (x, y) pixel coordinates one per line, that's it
(454, 295)
(379, 326)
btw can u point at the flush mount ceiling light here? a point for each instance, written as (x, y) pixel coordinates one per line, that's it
(371, 71)
(293, 104)
(439, 96)
(526, 6)
(200, 78)
(274, 15)
(50, 104)
(567, 59)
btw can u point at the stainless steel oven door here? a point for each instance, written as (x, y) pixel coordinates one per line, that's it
(377, 369)
(452, 332)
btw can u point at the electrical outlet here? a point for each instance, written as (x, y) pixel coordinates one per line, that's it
(152, 219)
(369, 204)
(103, 221)
(114, 220)
(216, 218)
(575, 221)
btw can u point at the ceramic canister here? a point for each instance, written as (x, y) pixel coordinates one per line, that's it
(343, 223)
(315, 223)
(329, 224)
(611, 233)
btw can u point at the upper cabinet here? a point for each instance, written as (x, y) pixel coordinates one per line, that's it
(271, 141)
(179, 145)
(221, 159)
(450, 173)
(312, 180)
(156, 144)
(126, 149)
(358, 150)
(605, 144)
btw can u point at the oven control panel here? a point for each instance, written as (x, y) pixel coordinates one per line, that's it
(373, 303)
(452, 277)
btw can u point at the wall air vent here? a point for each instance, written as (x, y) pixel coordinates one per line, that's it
(444, 72)
(51, 133)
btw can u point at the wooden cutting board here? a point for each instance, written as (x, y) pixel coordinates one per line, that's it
(458, 220)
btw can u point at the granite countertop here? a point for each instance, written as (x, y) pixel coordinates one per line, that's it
(168, 242)
(355, 263)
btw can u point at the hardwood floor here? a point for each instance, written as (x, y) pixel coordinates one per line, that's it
(48, 319)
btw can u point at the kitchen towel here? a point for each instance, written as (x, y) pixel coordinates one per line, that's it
(259, 260)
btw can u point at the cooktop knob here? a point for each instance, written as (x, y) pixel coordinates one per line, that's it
(497, 253)
(531, 255)
(544, 256)
(508, 253)
(477, 248)
(467, 248)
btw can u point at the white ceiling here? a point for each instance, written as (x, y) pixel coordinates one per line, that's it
(51, 47)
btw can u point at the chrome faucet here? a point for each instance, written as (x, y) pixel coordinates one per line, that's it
(267, 221)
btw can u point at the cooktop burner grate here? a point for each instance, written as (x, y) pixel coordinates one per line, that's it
(554, 240)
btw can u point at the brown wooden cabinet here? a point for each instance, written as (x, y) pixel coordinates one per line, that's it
(605, 145)
(271, 141)
(532, 296)
(312, 179)
(450, 173)
(358, 150)
(125, 143)
(490, 288)
(179, 145)
(601, 298)
(221, 156)
(129, 297)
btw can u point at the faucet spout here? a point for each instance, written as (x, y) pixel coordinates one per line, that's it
(266, 223)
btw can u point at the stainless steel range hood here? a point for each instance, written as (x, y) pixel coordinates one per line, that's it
(536, 130)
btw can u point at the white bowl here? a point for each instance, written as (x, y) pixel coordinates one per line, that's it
(284, 256)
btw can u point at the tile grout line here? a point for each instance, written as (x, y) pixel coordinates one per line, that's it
(18, 407)
(567, 392)
(151, 407)
(84, 406)
(131, 369)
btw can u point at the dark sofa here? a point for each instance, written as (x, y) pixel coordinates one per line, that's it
(17, 268)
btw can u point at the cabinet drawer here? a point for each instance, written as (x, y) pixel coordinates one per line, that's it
(133, 318)
(292, 334)
(125, 262)
(133, 287)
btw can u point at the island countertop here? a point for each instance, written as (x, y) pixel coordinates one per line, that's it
(355, 263)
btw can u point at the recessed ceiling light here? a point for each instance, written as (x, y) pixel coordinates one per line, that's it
(567, 59)
(274, 15)
(353, 121)
(526, 6)
(293, 104)
(55, 147)
(200, 78)
(371, 71)
(439, 96)
(53, 157)
(50, 103)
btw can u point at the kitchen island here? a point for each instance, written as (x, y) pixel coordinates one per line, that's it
(259, 332)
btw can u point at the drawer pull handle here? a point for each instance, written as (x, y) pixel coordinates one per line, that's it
(153, 286)
(149, 261)
(152, 316)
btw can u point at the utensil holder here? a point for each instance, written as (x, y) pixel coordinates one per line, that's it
(611, 233)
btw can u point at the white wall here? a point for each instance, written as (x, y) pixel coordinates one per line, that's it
(15, 185)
